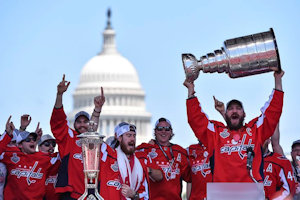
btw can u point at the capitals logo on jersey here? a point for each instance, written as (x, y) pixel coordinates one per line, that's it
(30, 173)
(115, 166)
(201, 166)
(168, 169)
(239, 147)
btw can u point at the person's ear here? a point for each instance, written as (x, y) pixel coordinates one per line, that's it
(120, 138)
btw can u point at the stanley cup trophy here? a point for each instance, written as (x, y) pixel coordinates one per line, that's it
(239, 57)
(90, 143)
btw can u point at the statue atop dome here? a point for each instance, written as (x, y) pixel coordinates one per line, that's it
(108, 26)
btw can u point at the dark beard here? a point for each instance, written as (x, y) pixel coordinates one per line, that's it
(124, 149)
(231, 126)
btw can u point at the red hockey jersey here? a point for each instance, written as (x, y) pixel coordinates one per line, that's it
(71, 177)
(173, 171)
(200, 170)
(230, 156)
(279, 181)
(26, 172)
(51, 180)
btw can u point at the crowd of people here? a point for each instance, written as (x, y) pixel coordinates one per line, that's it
(235, 152)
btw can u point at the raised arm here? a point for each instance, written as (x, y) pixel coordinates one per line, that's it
(7, 136)
(61, 88)
(219, 106)
(25, 121)
(278, 80)
(191, 88)
(197, 119)
(275, 141)
(272, 109)
(9, 127)
(98, 101)
(38, 131)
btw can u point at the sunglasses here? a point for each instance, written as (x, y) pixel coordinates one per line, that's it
(48, 143)
(160, 128)
(29, 139)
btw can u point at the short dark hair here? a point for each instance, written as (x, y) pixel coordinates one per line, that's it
(295, 143)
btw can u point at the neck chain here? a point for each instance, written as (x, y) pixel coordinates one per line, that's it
(165, 154)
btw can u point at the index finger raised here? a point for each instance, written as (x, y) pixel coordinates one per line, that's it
(8, 119)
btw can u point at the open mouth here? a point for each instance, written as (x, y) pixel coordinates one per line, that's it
(31, 146)
(234, 116)
(131, 144)
(51, 150)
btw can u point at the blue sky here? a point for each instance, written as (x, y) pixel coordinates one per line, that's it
(41, 40)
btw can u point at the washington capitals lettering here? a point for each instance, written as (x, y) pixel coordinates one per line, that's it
(228, 148)
(30, 174)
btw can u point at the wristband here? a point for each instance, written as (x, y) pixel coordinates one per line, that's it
(96, 111)
(22, 128)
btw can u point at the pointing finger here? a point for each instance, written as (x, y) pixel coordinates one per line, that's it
(8, 119)
(102, 93)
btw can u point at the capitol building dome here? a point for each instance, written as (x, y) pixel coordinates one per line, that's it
(124, 96)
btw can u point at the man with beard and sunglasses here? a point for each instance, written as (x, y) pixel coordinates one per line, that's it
(27, 169)
(229, 142)
(133, 170)
(170, 158)
(70, 181)
(46, 145)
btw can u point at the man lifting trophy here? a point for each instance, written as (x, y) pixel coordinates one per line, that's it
(239, 57)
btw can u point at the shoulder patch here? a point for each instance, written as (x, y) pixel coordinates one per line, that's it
(115, 167)
(224, 134)
(15, 159)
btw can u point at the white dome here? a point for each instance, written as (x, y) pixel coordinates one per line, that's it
(106, 68)
(124, 96)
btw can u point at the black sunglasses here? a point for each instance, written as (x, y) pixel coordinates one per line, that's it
(29, 139)
(48, 143)
(160, 128)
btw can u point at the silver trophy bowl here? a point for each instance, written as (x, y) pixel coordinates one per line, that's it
(239, 57)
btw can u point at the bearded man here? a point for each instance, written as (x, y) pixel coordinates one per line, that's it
(132, 169)
(70, 180)
(229, 142)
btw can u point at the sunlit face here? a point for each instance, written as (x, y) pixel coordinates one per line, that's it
(28, 145)
(295, 152)
(163, 133)
(47, 146)
(81, 124)
(127, 142)
(235, 116)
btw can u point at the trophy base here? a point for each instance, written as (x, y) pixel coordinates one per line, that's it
(91, 197)
(91, 194)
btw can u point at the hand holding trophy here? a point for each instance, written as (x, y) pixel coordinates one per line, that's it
(239, 57)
